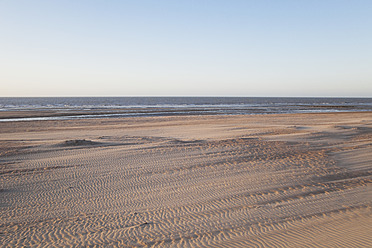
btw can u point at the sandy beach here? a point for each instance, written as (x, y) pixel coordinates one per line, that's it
(290, 180)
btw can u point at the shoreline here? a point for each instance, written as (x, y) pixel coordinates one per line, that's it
(55, 115)
(210, 180)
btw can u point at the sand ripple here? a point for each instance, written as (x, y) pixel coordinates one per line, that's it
(271, 187)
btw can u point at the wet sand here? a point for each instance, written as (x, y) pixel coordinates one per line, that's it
(291, 180)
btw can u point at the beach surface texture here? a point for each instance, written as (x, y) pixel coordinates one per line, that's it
(281, 180)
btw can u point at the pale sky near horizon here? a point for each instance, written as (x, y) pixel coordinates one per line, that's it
(186, 48)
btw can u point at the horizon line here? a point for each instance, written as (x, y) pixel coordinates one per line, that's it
(226, 96)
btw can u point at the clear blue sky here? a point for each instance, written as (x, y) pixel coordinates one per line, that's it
(186, 48)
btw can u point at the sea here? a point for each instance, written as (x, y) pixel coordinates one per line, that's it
(62, 108)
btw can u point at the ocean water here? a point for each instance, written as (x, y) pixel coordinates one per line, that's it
(106, 107)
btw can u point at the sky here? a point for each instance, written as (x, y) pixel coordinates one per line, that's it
(186, 48)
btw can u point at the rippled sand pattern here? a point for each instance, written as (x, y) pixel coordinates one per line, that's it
(264, 181)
